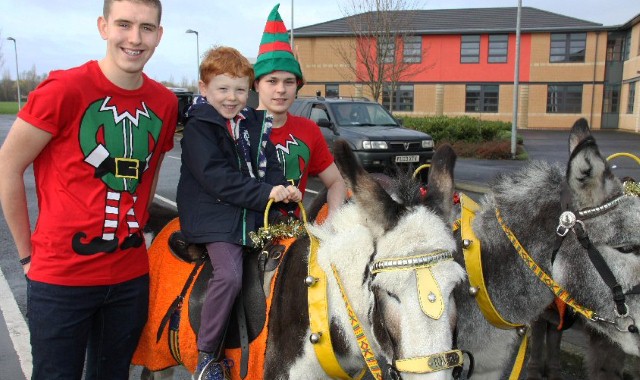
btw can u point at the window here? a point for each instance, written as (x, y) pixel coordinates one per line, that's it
(632, 97)
(470, 49)
(568, 47)
(331, 90)
(614, 49)
(318, 112)
(482, 98)
(564, 98)
(627, 46)
(386, 49)
(412, 49)
(498, 48)
(611, 101)
(402, 99)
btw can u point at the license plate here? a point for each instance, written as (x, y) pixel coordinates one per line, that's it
(413, 158)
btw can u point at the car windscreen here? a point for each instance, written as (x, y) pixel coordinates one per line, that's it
(361, 114)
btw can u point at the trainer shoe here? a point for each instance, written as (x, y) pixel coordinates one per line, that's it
(211, 369)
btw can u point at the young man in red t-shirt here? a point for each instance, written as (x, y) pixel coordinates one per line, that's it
(96, 135)
(301, 147)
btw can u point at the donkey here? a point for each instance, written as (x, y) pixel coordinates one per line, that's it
(579, 227)
(393, 261)
(380, 248)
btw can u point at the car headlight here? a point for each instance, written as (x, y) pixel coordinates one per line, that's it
(426, 144)
(374, 145)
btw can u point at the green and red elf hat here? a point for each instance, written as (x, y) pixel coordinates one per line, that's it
(275, 52)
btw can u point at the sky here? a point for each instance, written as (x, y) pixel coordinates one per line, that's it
(59, 34)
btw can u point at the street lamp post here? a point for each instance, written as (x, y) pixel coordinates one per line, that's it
(15, 48)
(197, 52)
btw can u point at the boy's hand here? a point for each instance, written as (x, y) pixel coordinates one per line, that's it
(294, 194)
(279, 193)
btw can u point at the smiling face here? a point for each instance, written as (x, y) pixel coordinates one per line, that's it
(277, 91)
(132, 32)
(227, 94)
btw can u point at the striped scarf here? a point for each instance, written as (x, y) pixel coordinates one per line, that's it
(240, 135)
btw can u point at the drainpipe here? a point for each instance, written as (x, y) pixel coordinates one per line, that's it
(516, 82)
(637, 108)
(593, 82)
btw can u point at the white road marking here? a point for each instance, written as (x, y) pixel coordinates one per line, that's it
(166, 200)
(17, 326)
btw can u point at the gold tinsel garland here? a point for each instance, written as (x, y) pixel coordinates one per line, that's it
(283, 230)
(631, 188)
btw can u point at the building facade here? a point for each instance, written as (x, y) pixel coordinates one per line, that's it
(462, 62)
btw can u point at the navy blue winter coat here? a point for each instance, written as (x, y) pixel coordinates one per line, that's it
(217, 201)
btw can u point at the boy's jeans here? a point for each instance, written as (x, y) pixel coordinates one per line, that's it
(103, 322)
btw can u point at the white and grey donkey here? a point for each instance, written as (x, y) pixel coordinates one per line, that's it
(374, 228)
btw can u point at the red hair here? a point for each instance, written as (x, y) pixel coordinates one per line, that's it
(225, 60)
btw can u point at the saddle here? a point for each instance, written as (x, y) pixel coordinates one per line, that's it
(248, 318)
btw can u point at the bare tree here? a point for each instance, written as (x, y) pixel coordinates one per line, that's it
(374, 56)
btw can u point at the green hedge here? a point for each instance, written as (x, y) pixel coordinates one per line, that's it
(460, 128)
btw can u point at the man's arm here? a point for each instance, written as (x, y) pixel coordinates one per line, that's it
(336, 188)
(21, 147)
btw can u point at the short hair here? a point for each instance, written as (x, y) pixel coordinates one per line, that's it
(106, 8)
(225, 60)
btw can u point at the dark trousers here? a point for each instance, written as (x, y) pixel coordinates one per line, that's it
(101, 324)
(222, 290)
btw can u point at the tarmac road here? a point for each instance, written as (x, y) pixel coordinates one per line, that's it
(471, 176)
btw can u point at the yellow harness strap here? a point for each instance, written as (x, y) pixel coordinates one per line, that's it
(545, 278)
(365, 347)
(319, 316)
(431, 300)
(473, 264)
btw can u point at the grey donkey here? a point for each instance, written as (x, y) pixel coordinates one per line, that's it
(531, 204)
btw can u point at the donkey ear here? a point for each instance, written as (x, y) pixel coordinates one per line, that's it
(440, 195)
(588, 174)
(378, 205)
(579, 132)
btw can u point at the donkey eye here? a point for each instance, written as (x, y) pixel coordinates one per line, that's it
(635, 249)
(392, 295)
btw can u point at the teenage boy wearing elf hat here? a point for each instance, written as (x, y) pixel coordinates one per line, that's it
(302, 150)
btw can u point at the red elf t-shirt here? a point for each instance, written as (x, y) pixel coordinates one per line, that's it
(94, 178)
(302, 150)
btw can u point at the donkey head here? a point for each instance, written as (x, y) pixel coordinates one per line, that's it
(609, 224)
(412, 274)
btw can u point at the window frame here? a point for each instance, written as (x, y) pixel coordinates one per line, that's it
(399, 104)
(627, 46)
(389, 43)
(327, 90)
(484, 101)
(631, 97)
(564, 103)
(565, 45)
(496, 54)
(415, 49)
(470, 49)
